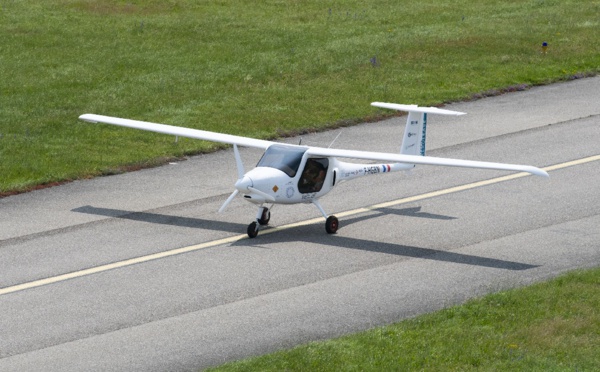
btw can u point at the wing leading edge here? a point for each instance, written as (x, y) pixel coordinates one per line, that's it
(178, 131)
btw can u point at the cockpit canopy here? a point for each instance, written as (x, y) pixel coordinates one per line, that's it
(285, 158)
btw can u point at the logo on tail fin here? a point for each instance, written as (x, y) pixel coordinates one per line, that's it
(423, 137)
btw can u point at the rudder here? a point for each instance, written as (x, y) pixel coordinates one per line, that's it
(415, 134)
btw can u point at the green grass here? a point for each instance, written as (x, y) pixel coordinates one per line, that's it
(265, 69)
(261, 69)
(552, 326)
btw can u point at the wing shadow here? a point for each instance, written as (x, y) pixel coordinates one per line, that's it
(163, 219)
(427, 253)
(303, 234)
(408, 212)
(414, 212)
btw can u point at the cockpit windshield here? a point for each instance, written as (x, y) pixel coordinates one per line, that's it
(285, 158)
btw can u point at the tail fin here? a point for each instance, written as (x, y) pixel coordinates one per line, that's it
(413, 142)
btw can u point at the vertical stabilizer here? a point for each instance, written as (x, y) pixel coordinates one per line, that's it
(415, 134)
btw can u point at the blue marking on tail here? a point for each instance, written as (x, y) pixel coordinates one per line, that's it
(423, 137)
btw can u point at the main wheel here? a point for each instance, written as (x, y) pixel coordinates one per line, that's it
(252, 230)
(332, 224)
(265, 217)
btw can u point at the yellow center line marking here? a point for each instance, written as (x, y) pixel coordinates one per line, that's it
(214, 243)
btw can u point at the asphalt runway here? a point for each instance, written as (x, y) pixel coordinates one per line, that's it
(139, 272)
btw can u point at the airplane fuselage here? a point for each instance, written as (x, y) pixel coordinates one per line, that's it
(289, 175)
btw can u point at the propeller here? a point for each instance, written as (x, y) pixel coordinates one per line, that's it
(240, 170)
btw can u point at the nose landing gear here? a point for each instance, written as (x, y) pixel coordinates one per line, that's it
(263, 216)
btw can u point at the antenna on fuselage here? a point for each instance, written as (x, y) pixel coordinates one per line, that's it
(335, 139)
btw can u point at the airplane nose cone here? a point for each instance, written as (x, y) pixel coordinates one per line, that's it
(242, 184)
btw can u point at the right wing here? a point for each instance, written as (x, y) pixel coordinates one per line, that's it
(178, 131)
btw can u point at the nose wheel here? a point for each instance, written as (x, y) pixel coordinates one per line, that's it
(263, 216)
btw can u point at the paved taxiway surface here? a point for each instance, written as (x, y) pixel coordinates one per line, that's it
(192, 298)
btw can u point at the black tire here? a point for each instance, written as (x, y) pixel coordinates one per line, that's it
(332, 224)
(265, 217)
(252, 230)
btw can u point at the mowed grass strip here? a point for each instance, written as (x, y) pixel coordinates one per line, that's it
(552, 326)
(260, 69)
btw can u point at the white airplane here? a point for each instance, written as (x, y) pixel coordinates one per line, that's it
(290, 174)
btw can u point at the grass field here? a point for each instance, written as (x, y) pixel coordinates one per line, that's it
(270, 68)
(553, 326)
(262, 69)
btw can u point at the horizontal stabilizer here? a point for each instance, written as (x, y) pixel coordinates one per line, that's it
(415, 108)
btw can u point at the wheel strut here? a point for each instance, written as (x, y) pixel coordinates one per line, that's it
(264, 216)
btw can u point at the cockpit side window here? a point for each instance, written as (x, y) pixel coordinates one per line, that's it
(313, 175)
(285, 158)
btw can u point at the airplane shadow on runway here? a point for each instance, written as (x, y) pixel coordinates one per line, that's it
(312, 236)
(302, 234)
(163, 219)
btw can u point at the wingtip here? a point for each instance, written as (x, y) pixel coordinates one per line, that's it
(539, 172)
(88, 118)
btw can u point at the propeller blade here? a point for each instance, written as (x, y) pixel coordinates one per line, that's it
(229, 199)
(240, 170)
(238, 162)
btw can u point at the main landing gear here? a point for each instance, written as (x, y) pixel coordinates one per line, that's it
(264, 215)
(332, 224)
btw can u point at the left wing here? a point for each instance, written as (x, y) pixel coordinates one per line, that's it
(428, 160)
(178, 131)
